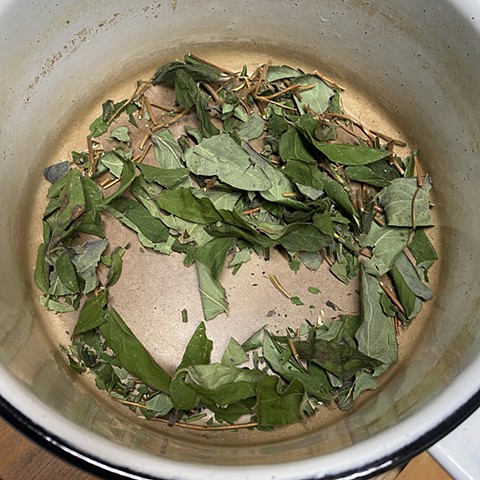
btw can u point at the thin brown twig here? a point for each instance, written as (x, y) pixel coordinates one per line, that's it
(148, 105)
(210, 64)
(210, 183)
(295, 87)
(348, 118)
(378, 221)
(397, 167)
(263, 72)
(278, 286)
(91, 157)
(140, 158)
(212, 92)
(174, 119)
(250, 211)
(418, 171)
(140, 89)
(323, 77)
(387, 138)
(327, 259)
(393, 298)
(211, 428)
(191, 426)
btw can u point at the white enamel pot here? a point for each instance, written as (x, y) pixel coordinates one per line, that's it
(417, 61)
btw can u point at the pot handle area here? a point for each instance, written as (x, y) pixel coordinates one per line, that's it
(459, 451)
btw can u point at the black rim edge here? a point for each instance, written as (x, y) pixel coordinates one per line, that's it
(99, 467)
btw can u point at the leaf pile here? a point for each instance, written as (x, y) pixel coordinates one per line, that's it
(268, 160)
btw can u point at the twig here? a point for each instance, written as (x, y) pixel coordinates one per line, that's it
(387, 138)
(378, 221)
(251, 211)
(174, 119)
(149, 110)
(91, 157)
(210, 64)
(295, 87)
(327, 259)
(140, 158)
(212, 92)
(393, 298)
(321, 76)
(191, 426)
(278, 286)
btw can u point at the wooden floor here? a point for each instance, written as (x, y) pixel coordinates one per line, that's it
(21, 459)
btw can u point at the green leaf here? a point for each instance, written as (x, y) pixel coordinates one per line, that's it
(376, 335)
(136, 216)
(379, 174)
(292, 148)
(113, 163)
(188, 95)
(280, 184)
(188, 231)
(345, 154)
(116, 266)
(161, 404)
(55, 305)
(423, 252)
(222, 156)
(314, 290)
(296, 301)
(166, 74)
(304, 237)
(209, 261)
(398, 199)
(168, 153)
(182, 203)
(232, 412)
(314, 380)
(121, 134)
(198, 349)
(98, 127)
(128, 176)
(277, 407)
(85, 259)
(92, 313)
(307, 177)
(41, 275)
(408, 285)
(197, 352)
(280, 72)
(131, 354)
(387, 243)
(222, 384)
(66, 272)
(339, 196)
(317, 98)
(72, 201)
(254, 341)
(167, 177)
(344, 361)
(363, 381)
(234, 354)
(241, 257)
(252, 128)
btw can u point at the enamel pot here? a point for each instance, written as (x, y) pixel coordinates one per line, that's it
(413, 67)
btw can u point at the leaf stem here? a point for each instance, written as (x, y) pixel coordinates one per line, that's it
(323, 77)
(278, 286)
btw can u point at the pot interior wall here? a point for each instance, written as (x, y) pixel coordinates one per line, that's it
(414, 62)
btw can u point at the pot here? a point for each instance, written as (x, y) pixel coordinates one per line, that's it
(413, 67)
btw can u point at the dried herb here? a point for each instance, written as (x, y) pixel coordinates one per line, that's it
(258, 166)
